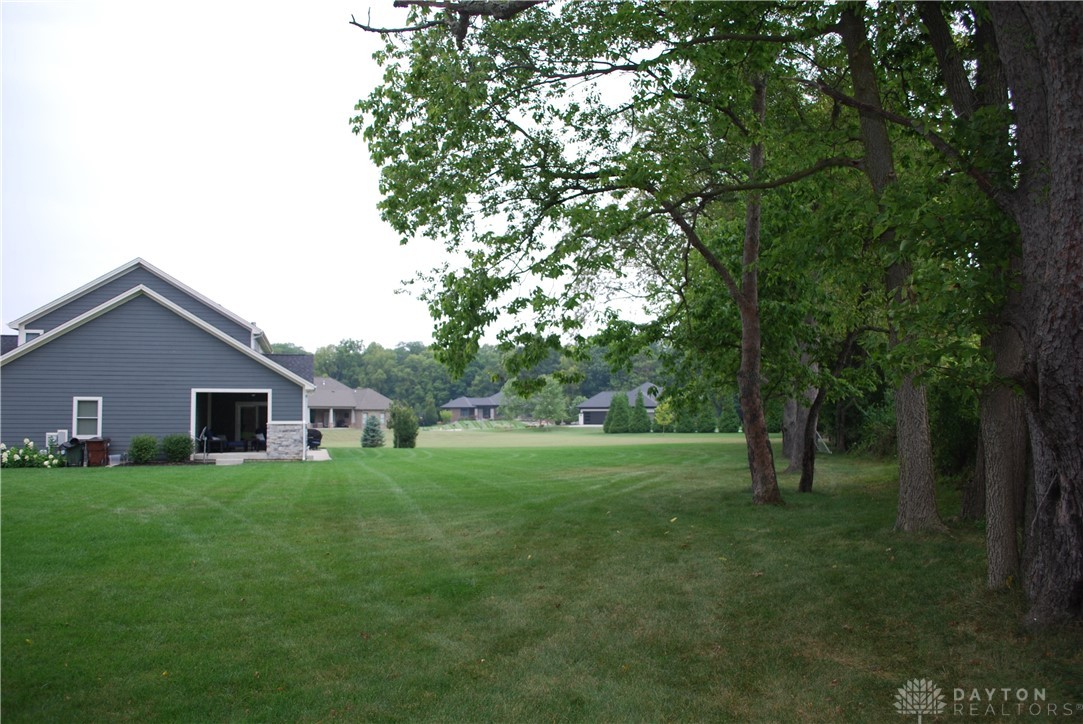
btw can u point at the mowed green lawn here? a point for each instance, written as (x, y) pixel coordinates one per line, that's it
(581, 581)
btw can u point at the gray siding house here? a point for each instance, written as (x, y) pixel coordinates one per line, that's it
(137, 352)
(594, 410)
(474, 408)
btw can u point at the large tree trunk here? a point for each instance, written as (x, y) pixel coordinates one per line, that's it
(1004, 447)
(1001, 467)
(1040, 51)
(917, 483)
(789, 430)
(917, 494)
(795, 429)
(1004, 443)
(761, 459)
(808, 442)
(795, 418)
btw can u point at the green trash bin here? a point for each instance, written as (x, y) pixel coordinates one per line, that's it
(72, 450)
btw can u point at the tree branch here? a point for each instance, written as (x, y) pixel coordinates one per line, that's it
(999, 196)
(947, 55)
(757, 37)
(465, 10)
(821, 165)
(694, 240)
(385, 31)
(474, 8)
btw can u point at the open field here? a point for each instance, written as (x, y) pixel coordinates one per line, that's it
(501, 434)
(583, 582)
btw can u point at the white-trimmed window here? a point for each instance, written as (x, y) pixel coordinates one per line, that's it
(86, 416)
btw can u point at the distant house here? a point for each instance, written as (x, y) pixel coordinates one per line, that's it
(333, 404)
(474, 408)
(137, 352)
(594, 410)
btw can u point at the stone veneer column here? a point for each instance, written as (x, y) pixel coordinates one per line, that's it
(285, 440)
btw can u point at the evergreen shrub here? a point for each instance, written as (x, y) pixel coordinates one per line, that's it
(403, 424)
(373, 434)
(729, 420)
(639, 421)
(618, 419)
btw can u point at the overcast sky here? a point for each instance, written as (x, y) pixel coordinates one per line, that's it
(211, 139)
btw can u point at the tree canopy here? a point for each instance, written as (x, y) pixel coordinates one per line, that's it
(578, 155)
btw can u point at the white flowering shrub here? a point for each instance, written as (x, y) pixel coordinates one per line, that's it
(29, 456)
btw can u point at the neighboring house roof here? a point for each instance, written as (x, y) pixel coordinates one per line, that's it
(332, 393)
(258, 335)
(8, 342)
(370, 399)
(462, 403)
(142, 291)
(603, 400)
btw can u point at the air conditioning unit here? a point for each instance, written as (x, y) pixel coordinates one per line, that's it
(53, 440)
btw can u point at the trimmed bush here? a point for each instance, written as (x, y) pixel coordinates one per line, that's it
(143, 450)
(178, 448)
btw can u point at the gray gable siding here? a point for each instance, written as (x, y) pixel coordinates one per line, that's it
(143, 361)
(133, 278)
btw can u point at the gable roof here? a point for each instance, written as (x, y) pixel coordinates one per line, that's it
(332, 393)
(143, 291)
(120, 271)
(370, 399)
(603, 400)
(462, 403)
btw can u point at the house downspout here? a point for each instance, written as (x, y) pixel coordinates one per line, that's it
(304, 424)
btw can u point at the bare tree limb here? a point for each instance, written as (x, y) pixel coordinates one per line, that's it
(500, 10)
(459, 14)
(385, 31)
